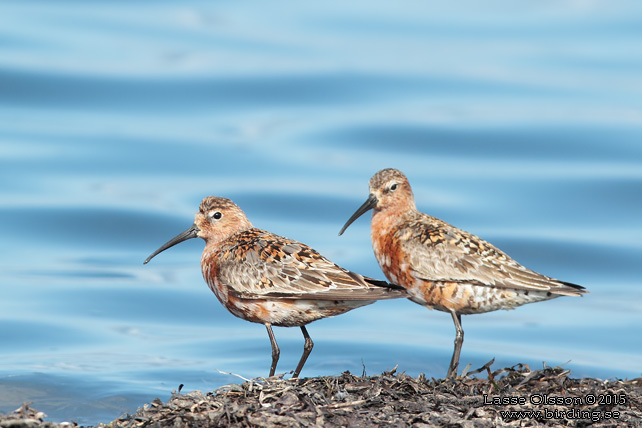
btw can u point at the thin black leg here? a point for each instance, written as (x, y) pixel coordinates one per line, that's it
(275, 349)
(307, 348)
(459, 341)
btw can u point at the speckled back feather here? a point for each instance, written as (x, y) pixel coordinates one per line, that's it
(257, 264)
(442, 252)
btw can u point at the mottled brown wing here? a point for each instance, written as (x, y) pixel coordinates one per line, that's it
(262, 265)
(441, 252)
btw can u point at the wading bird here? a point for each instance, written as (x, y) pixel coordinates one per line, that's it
(442, 267)
(268, 279)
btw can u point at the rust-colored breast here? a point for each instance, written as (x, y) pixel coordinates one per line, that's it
(387, 235)
(210, 270)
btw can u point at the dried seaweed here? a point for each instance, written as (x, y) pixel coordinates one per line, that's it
(515, 396)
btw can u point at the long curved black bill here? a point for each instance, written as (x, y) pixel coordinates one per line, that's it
(369, 204)
(188, 234)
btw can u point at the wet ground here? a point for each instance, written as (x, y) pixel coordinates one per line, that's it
(514, 396)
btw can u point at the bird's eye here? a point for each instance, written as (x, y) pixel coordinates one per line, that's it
(393, 187)
(216, 215)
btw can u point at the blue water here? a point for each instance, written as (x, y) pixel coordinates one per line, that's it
(519, 122)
